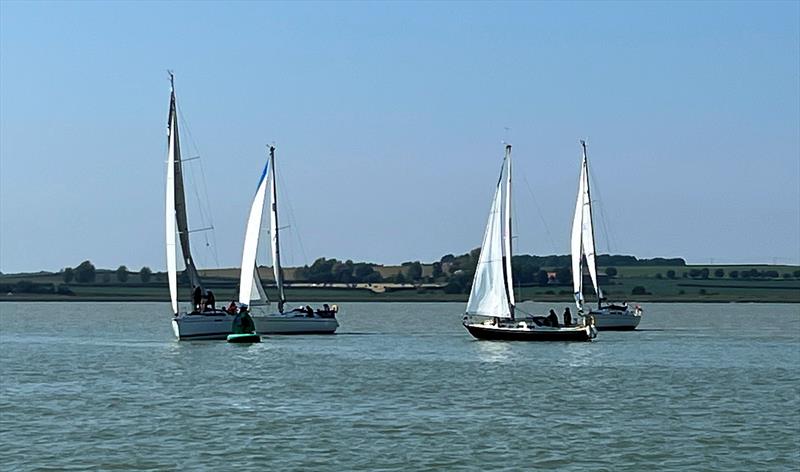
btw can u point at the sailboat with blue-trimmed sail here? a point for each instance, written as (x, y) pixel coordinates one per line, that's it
(301, 320)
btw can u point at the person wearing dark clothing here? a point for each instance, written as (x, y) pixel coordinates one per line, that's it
(309, 311)
(567, 317)
(553, 318)
(232, 308)
(210, 301)
(197, 298)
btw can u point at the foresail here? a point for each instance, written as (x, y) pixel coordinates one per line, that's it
(488, 294)
(248, 276)
(257, 294)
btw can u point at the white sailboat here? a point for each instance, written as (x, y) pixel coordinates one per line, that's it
(582, 243)
(303, 320)
(198, 323)
(491, 309)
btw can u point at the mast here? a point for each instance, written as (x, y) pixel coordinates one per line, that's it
(507, 237)
(593, 262)
(180, 197)
(276, 252)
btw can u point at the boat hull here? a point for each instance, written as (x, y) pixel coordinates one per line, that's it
(504, 333)
(609, 319)
(216, 325)
(288, 324)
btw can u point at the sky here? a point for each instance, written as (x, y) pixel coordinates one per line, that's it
(389, 119)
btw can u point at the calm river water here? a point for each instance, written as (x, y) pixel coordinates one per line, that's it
(401, 387)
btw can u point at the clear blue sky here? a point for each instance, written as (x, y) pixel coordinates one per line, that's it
(389, 117)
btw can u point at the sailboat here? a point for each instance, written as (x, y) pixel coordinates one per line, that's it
(491, 309)
(199, 323)
(611, 316)
(301, 320)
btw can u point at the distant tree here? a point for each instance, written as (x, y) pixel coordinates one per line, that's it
(436, 270)
(734, 274)
(106, 277)
(69, 275)
(414, 271)
(771, 274)
(144, 274)
(122, 274)
(399, 278)
(670, 274)
(373, 278)
(704, 273)
(694, 273)
(787, 275)
(639, 290)
(63, 289)
(447, 258)
(611, 271)
(659, 276)
(796, 274)
(719, 273)
(85, 273)
(453, 287)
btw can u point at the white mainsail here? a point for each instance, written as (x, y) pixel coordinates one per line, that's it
(507, 236)
(250, 289)
(489, 295)
(170, 222)
(582, 240)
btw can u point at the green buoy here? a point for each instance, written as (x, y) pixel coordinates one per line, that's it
(244, 338)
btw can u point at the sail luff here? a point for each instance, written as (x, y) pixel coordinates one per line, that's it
(274, 230)
(172, 265)
(509, 282)
(249, 282)
(180, 198)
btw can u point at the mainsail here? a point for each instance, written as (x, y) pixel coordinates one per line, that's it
(582, 242)
(273, 220)
(250, 290)
(176, 207)
(492, 289)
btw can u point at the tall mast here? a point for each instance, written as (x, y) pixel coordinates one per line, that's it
(507, 238)
(276, 251)
(591, 220)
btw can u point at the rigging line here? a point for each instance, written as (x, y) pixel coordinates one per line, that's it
(292, 220)
(603, 217)
(541, 215)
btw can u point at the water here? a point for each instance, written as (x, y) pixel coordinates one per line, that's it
(402, 387)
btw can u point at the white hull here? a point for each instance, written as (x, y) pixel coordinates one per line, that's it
(607, 318)
(290, 324)
(216, 325)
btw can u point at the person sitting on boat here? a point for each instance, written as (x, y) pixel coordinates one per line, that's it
(325, 308)
(552, 318)
(210, 301)
(232, 308)
(567, 317)
(309, 311)
(197, 298)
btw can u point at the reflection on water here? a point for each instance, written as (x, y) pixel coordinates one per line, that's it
(493, 351)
